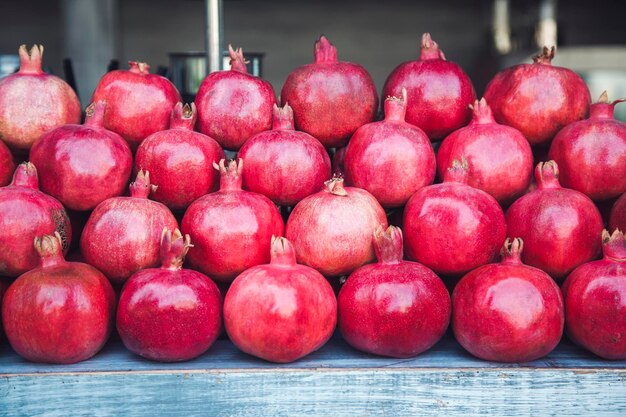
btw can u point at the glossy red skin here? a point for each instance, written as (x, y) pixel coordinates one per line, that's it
(507, 313)
(332, 233)
(595, 304)
(24, 214)
(284, 165)
(591, 155)
(138, 104)
(280, 313)
(59, 314)
(234, 106)
(438, 94)
(453, 228)
(31, 105)
(169, 315)
(617, 218)
(398, 310)
(7, 165)
(391, 159)
(82, 165)
(180, 163)
(231, 232)
(331, 100)
(538, 99)
(560, 229)
(123, 235)
(499, 157)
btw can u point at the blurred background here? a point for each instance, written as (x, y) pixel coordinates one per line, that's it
(85, 38)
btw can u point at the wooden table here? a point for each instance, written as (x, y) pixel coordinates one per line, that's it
(335, 381)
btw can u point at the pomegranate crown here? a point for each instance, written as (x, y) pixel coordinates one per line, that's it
(174, 248)
(282, 117)
(604, 99)
(458, 171)
(183, 116)
(324, 51)
(50, 249)
(512, 250)
(142, 188)
(230, 175)
(388, 244)
(547, 175)
(139, 67)
(430, 49)
(481, 112)
(237, 60)
(395, 107)
(614, 245)
(335, 186)
(30, 63)
(25, 175)
(545, 56)
(282, 251)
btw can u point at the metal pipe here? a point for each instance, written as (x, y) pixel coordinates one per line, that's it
(214, 20)
(546, 31)
(501, 26)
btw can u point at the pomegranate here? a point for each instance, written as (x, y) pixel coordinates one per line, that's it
(7, 166)
(617, 218)
(280, 311)
(499, 157)
(508, 312)
(231, 228)
(595, 305)
(331, 230)
(234, 105)
(83, 165)
(138, 103)
(439, 91)
(338, 166)
(394, 307)
(391, 159)
(169, 314)
(331, 99)
(283, 164)
(538, 99)
(180, 160)
(59, 312)
(559, 226)
(33, 102)
(122, 234)
(26, 212)
(451, 227)
(591, 153)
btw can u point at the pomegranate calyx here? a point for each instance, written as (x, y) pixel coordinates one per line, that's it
(142, 188)
(614, 245)
(395, 107)
(325, 51)
(458, 171)
(282, 252)
(25, 175)
(237, 60)
(282, 117)
(335, 186)
(603, 109)
(138, 67)
(50, 250)
(183, 116)
(430, 49)
(388, 244)
(481, 113)
(546, 56)
(94, 114)
(174, 248)
(511, 251)
(30, 63)
(230, 176)
(547, 175)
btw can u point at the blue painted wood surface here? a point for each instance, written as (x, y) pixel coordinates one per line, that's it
(335, 381)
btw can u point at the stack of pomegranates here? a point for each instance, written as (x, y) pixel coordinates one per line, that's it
(283, 245)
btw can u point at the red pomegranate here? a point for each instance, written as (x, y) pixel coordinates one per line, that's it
(391, 159)
(499, 157)
(180, 160)
(169, 314)
(283, 164)
(25, 213)
(591, 153)
(451, 227)
(439, 91)
(123, 234)
(59, 312)
(231, 228)
(83, 165)
(331, 99)
(538, 99)
(33, 102)
(617, 219)
(138, 103)
(508, 312)
(332, 229)
(594, 303)
(234, 105)
(559, 226)
(280, 311)
(7, 166)
(394, 307)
